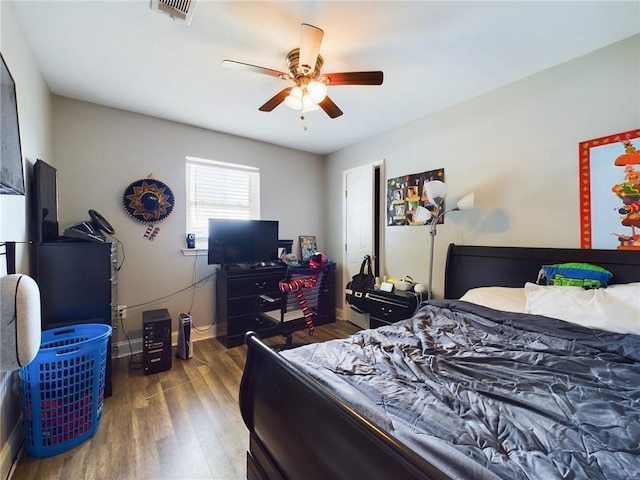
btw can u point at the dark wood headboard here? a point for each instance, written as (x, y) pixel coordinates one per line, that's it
(474, 266)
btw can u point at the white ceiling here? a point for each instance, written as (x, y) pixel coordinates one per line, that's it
(433, 55)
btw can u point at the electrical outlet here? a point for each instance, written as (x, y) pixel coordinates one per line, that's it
(122, 311)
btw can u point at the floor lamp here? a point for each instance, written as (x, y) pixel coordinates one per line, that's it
(436, 192)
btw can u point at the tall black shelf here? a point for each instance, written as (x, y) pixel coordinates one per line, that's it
(77, 285)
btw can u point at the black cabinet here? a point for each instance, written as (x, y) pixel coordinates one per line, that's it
(386, 308)
(237, 291)
(77, 285)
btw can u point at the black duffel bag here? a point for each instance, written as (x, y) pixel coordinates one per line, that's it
(355, 293)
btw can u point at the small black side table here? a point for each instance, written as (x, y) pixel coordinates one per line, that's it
(386, 308)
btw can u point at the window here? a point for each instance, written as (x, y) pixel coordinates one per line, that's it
(219, 190)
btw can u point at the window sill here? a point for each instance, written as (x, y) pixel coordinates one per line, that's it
(192, 252)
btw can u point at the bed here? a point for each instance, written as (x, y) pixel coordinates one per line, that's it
(498, 393)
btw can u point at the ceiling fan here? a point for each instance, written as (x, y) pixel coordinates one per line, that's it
(309, 91)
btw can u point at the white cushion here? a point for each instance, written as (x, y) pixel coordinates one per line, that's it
(499, 298)
(614, 309)
(19, 321)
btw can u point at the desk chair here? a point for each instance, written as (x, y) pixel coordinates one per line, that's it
(301, 287)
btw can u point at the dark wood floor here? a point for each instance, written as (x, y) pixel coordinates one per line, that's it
(180, 424)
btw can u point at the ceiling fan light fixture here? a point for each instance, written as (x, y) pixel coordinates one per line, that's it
(294, 99)
(317, 91)
(300, 99)
(308, 105)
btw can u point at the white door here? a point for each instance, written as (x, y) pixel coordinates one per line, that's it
(358, 227)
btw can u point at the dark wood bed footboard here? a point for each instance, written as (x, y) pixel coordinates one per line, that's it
(299, 430)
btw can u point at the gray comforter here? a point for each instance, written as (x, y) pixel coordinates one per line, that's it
(487, 394)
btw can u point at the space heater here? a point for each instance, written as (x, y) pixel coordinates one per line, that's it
(185, 345)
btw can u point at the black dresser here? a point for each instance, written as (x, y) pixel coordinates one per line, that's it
(386, 308)
(237, 291)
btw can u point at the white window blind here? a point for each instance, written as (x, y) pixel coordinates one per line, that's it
(220, 190)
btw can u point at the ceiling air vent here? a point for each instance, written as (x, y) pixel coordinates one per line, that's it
(177, 9)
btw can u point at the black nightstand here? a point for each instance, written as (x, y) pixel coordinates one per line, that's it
(386, 308)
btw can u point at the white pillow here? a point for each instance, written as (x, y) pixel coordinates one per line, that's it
(614, 309)
(507, 299)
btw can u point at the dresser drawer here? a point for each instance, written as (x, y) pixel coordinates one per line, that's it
(387, 307)
(253, 286)
(239, 326)
(389, 312)
(245, 305)
(242, 324)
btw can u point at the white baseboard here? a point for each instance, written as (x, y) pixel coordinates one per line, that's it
(136, 343)
(196, 335)
(11, 451)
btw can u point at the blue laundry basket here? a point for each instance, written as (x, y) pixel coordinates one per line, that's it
(63, 388)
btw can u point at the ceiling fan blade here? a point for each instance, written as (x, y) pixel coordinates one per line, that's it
(276, 100)
(355, 78)
(330, 108)
(310, 41)
(254, 68)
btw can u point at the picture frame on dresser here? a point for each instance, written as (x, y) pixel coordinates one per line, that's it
(308, 246)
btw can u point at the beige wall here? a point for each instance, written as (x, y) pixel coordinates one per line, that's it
(34, 113)
(99, 151)
(516, 147)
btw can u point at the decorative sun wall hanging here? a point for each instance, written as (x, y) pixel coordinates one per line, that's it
(148, 200)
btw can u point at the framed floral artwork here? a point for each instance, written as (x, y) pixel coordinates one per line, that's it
(307, 247)
(610, 192)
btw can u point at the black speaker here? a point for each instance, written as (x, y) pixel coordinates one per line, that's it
(156, 341)
(191, 240)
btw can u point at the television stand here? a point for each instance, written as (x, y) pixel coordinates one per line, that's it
(237, 291)
(266, 265)
(235, 266)
(251, 266)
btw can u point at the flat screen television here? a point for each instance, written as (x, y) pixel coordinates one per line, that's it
(44, 203)
(242, 241)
